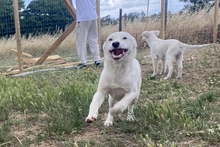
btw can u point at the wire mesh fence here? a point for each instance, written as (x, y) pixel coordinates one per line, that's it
(39, 17)
(36, 17)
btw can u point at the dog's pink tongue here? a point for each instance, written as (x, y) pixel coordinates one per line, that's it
(118, 52)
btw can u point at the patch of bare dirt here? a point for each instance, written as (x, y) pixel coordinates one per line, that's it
(97, 132)
(26, 128)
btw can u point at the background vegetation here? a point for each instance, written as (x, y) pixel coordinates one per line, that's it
(49, 17)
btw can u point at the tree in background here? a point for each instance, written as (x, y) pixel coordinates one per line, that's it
(7, 25)
(45, 16)
(108, 20)
(197, 5)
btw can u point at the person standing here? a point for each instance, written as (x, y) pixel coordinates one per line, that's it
(87, 30)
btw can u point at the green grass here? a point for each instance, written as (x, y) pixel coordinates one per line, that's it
(63, 98)
(49, 108)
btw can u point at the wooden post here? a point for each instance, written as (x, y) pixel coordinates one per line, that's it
(162, 27)
(148, 3)
(98, 11)
(120, 19)
(165, 19)
(18, 34)
(98, 21)
(125, 22)
(215, 27)
(70, 7)
(70, 28)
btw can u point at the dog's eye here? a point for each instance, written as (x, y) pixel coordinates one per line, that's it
(125, 38)
(110, 39)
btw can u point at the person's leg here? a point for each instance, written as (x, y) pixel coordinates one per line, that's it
(81, 36)
(93, 41)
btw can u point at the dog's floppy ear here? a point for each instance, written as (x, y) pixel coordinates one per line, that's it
(134, 41)
(144, 34)
(157, 32)
(103, 46)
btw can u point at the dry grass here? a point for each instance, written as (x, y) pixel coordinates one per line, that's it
(189, 28)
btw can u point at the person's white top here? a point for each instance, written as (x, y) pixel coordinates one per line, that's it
(86, 10)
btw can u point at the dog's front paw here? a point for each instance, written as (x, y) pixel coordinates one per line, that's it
(91, 119)
(130, 117)
(108, 123)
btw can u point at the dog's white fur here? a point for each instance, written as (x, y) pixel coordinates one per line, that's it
(168, 51)
(120, 78)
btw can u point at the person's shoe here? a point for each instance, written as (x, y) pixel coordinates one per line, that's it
(80, 65)
(98, 64)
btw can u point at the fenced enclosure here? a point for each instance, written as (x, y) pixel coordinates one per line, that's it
(46, 105)
(42, 22)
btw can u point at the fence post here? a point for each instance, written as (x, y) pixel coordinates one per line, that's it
(215, 27)
(18, 34)
(99, 22)
(148, 3)
(120, 19)
(162, 27)
(165, 15)
(125, 21)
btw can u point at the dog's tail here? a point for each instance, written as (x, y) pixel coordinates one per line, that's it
(191, 47)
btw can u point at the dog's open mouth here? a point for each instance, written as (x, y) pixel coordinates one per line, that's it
(117, 54)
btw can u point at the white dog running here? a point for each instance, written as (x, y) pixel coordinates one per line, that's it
(120, 78)
(169, 51)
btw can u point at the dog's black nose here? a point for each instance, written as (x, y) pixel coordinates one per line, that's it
(115, 44)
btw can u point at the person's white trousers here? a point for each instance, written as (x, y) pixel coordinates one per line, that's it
(87, 31)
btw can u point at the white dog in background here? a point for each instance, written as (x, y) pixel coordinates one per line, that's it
(120, 78)
(168, 51)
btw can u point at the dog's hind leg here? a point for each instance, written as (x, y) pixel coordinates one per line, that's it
(169, 63)
(180, 66)
(163, 66)
(170, 68)
(130, 116)
(155, 66)
(126, 102)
